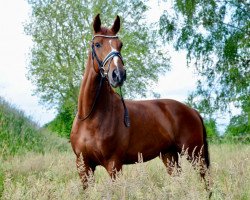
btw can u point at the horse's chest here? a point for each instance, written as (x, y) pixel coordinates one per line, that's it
(98, 146)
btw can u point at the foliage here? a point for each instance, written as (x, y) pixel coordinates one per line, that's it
(18, 134)
(61, 32)
(238, 129)
(238, 126)
(216, 36)
(211, 129)
(63, 122)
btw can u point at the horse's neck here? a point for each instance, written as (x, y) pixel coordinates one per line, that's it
(88, 92)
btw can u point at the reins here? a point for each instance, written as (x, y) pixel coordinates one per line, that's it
(95, 100)
(126, 115)
(101, 65)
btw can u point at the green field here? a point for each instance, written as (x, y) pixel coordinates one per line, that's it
(40, 165)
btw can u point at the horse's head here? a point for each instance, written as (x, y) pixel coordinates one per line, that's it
(106, 55)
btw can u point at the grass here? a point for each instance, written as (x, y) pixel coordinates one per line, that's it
(53, 175)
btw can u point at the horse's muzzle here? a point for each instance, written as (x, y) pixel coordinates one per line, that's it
(118, 76)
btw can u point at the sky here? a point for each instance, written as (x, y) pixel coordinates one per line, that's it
(14, 54)
(15, 48)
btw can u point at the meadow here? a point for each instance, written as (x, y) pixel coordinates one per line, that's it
(40, 165)
(53, 175)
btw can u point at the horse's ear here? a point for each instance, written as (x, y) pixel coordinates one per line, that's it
(116, 26)
(97, 23)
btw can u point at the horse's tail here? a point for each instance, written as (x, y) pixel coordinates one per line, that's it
(206, 152)
(205, 144)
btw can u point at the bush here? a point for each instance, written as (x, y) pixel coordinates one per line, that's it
(63, 122)
(18, 134)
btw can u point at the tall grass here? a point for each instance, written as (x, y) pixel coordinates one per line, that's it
(53, 175)
(19, 135)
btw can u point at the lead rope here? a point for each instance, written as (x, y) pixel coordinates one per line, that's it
(126, 115)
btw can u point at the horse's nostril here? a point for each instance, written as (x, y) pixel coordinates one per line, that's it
(115, 75)
(125, 75)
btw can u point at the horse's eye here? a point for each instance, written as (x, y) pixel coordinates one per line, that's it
(97, 45)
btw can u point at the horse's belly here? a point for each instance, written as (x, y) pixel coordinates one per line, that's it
(147, 149)
(140, 157)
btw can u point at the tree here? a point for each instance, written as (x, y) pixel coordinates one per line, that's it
(238, 130)
(61, 32)
(211, 129)
(216, 36)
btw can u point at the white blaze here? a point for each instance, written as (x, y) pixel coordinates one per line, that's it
(113, 49)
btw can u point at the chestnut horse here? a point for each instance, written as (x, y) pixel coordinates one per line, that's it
(156, 127)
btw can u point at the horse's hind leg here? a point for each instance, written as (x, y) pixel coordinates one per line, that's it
(170, 160)
(84, 170)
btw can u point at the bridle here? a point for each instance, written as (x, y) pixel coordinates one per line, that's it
(101, 65)
(109, 57)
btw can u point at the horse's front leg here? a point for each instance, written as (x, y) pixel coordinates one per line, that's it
(84, 170)
(113, 166)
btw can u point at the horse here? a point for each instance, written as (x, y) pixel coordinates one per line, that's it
(103, 135)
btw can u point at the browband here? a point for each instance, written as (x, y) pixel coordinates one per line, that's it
(106, 36)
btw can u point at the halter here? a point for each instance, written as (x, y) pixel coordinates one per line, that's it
(101, 65)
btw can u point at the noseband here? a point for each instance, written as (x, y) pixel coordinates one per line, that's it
(101, 65)
(109, 57)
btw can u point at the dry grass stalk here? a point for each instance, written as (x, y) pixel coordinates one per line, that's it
(54, 176)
